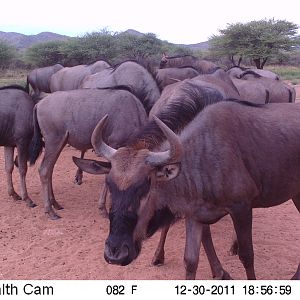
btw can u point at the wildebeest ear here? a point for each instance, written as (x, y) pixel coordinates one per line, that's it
(92, 166)
(167, 172)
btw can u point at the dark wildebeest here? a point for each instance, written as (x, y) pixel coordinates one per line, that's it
(201, 65)
(168, 76)
(237, 72)
(278, 90)
(70, 78)
(129, 73)
(252, 91)
(39, 79)
(70, 117)
(16, 130)
(179, 92)
(196, 98)
(231, 158)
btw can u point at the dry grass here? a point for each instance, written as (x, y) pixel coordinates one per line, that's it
(13, 76)
(290, 73)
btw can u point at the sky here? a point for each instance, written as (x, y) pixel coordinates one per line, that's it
(180, 22)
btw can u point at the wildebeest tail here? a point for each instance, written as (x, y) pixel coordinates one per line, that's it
(290, 96)
(37, 143)
(27, 86)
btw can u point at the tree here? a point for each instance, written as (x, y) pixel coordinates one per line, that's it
(44, 54)
(7, 54)
(256, 40)
(135, 47)
(89, 48)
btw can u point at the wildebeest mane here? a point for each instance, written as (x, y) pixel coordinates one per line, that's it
(146, 64)
(241, 68)
(245, 102)
(251, 72)
(142, 62)
(14, 87)
(177, 114)
(100, 59)
(118, 87)
(180, 56)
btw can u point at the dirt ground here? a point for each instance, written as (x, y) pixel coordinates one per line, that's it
(33, 247)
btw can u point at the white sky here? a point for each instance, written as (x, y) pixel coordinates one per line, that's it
(183, 21)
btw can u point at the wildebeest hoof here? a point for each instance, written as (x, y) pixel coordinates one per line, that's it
(223, 276)
(157, 262)
(57, 206)
(30, 203)
(52, 215)
(234, 249)
(78, 180)
(15, 196)
(103, 212)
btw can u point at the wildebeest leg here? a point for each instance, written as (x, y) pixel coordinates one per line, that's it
(53, 148)
(79, 173)
(102, 202)
(242, 220)
(297, 274)
(22, 163)
(192, 247)
(9, 166)
(216, 268)
(53, 201)
(159, 255)
(234, 249)
(296, 201)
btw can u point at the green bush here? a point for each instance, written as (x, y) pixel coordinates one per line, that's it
(7, 54)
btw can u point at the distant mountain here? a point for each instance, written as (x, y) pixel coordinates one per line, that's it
(133, 32)
(196, 47)
(193, 47)
(22, 41)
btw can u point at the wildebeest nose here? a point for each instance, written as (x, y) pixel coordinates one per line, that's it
(116, 255)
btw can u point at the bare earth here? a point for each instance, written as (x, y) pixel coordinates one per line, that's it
(33, 247)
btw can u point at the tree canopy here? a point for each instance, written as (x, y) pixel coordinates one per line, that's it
(110, 46)
(256, 40)
(7, 54)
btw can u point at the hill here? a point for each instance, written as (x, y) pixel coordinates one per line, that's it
(22, 41)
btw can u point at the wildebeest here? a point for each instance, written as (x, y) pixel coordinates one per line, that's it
(168, 76)
(184, 90)
(237, 72)
(278, 90)
(129, 73)
(70, 78)
(70, 117)
(39, 79)
(16, 131)
(201, 65)
(252, 91)
(233, 157)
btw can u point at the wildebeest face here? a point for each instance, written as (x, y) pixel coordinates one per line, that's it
(132, 176)
(131, 180)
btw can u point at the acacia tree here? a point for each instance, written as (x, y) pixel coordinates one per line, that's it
(7, 54)
(256, 40)
(44, 54)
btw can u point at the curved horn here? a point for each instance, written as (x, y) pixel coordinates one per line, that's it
(100, 147)
(175, 152)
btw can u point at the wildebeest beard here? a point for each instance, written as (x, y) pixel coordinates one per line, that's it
(123, 214)
(162, 217)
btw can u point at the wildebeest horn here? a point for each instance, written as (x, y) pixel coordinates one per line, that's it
(100, 147)
(173, 154)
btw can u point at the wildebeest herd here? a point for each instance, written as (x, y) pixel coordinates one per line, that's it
(189, 140)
